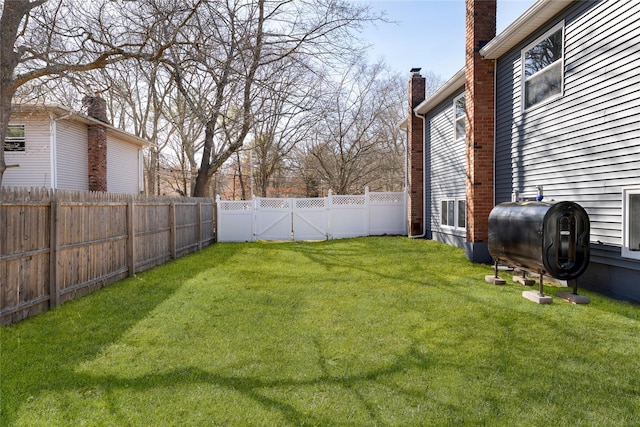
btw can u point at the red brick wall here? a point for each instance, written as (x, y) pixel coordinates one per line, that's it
(97, 158)
(97, 144)
(415, 166)
(479, 95)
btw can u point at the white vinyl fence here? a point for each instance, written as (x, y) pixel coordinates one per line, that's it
(324, 218)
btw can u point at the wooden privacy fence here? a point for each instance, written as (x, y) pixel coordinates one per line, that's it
(58, 245)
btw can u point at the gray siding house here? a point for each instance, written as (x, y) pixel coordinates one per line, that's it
(567, 120)
(444, 145)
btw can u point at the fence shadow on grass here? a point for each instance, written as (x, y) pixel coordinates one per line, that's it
(46, 349)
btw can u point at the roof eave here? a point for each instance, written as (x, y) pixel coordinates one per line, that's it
(67, 112)
(532, 19)
(446, 90)
(404, 124)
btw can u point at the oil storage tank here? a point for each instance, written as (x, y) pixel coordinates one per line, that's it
(547, 238)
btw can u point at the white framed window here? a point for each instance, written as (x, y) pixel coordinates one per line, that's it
(453, 213)
(543, 68)
(15, 138)
(462, 214)
(631, 222)
(459, 116)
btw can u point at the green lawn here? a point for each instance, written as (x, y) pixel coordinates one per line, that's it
(372, 331)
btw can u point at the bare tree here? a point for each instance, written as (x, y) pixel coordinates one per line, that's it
(359, 142)
(285, 115)
(183, 142)
(351, 138)
(43, 39)
(215, 53)
(388, 160)
(138, 95)
(241, 39)
(305, 170)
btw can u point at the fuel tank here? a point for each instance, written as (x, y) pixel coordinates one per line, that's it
(547, 238)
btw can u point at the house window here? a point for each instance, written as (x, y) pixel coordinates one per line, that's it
(543, 68)
(459, 112)
(14, 139)
(462, 213)
(453, 213)
(631, 223)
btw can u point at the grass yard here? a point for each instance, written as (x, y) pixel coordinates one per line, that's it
(364, 332)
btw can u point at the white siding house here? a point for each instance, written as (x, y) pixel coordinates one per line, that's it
(34, 157)
(122, 159)
(445, 156)
(71, 156)
(54, 151)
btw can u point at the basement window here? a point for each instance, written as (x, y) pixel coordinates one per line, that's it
(462, 213)
(453, 213)
(15, 138)
(631, 223)
(543, 68)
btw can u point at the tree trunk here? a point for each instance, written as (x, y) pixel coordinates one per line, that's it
(202, 181)
(209, 164)
(200, 189)
(5, 114)
(12, 15)
(243, 191)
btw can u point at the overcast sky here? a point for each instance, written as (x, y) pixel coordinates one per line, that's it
(436, 26)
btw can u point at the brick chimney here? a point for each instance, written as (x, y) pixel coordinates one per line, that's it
(479, 98)
(415, 158)
(97, 143)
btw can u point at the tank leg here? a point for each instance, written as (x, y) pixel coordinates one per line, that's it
(495, 279)
(573, 297)
(523, 280)
(538, 297)
(540, 287)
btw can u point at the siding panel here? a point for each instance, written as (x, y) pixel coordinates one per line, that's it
(122, 167)
(35, 161)
(446, 168)
(71, 155)
(585, 145)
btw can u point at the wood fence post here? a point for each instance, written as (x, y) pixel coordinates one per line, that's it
(216, 215)
(131, 238)
(199, 216)
(172, 231)
(54, 245)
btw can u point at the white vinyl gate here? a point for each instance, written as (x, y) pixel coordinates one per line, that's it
(323, 218)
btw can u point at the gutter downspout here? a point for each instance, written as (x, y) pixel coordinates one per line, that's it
(495, 114)
(53, 143)
(406, 166)
(52, 154)
(424, 178)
